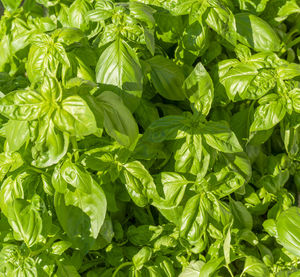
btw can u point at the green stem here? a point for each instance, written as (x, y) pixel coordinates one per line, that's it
(37, 170)
(75, 148)
(120, 267)
(229, 270)
(122, 243)
(293, 43)
(149, 213)
(46, 246)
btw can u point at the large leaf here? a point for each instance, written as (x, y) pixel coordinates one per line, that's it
(118, 120)
(220, 137)
(166, 128)
(44, 58)
(119, 65)
(11, 5)
(139, 183)
(50, 146)
(23, 105)
(248, 81)
(171, 188)
(268, 115)
(9, 162)
(221, 19)
(193, 156)
(193, 220)
(288, 228)
(199, 89)
(26, 221)
(81, 214)
(255, 267)
(167, 78)
(256, 33)
(74, 116)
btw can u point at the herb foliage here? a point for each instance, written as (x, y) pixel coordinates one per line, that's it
(150, 138)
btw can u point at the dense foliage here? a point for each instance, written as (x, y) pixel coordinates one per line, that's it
(150, 138)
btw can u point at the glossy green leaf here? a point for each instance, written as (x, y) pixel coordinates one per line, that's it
(171, 187)
(288, 230)
(166, 128)
(23, 105)
(50, 146)
(167, 78)
(118, 120)
(220, 137)
(254, 267)
(256, 33)
(222, 20)
(11, 5)
(267, 116)
(74, 117)
(199, 89)
(86, 211)
(139, 183)
(119, 65)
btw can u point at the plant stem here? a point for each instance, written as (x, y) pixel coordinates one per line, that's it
(293, 42)
(75, 148)
(229, 270)
(120, 267)
(46, 246)
(149, 213)
(36, 170)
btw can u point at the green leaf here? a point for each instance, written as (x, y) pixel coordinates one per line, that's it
(193, 269)
(167, 78)
(290, 133)
(256, 33)
(81, 215)
(166, 128)
(26, 221)
(76, 176)
(118, 120)
(58, 248)
(11, 5)
(248, 81)
(267, 116)
(171, 187)
(143, 256)
(288, 230)
(242, 217)
(211, 267)
(77, 14)
(288, 71)
(193, 156)
(294, 95)
(146, 113)
(9, 162)
(254, 267)
(220, 137)
(199, 89)
(44, 58)
(74, 116)
(193, 220)
(17, 133)
(66, 270)
(221, 19)
(226, 246)
(119, 65)
(139, 183)
(23, 105)
(50, 146)
(103, 11)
